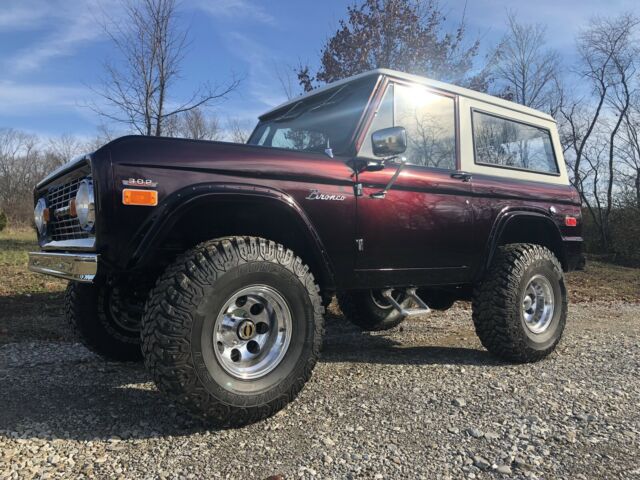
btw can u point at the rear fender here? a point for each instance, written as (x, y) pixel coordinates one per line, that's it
(507, 222)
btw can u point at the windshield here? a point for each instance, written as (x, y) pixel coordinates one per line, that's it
(315, 123)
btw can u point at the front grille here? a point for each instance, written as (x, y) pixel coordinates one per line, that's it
(65, 228)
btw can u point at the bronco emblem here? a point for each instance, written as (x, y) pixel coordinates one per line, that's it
(317, 195)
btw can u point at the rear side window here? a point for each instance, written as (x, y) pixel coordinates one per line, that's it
(507, 143)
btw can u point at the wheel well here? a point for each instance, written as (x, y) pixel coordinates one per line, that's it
(533, 229)
(262, 218)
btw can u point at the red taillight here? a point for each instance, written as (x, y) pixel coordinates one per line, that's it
(570, 221)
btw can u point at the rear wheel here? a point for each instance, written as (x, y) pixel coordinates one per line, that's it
(106, 319)
(520, 308)
(370, 311)
(233, 329)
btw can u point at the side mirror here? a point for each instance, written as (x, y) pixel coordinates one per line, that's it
(389, 141)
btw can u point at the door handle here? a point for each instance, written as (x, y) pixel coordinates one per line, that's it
(464, 176)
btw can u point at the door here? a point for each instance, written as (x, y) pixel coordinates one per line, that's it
(420, 233)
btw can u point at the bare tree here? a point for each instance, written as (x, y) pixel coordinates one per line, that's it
(525, 70)
(287, 78)
(63, 148)
(194, 124)
(592, 125)
(239, 131)
(152, 46)
(21, 167)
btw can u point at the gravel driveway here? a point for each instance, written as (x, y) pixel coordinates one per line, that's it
(421, 401)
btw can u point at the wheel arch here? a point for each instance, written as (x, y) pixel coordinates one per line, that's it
(524, 226)
(202, 212)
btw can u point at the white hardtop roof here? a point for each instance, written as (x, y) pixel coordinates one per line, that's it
(447, 87)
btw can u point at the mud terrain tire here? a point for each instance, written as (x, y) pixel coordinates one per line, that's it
(509, 316)
(187, 307)
(102, 322)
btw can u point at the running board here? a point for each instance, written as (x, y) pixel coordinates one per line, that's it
(422, 309)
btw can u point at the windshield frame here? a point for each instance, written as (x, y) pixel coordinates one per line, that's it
(353, 143)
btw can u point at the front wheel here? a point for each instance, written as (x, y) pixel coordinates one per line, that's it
(520, 307)
(105, 318)
(233, 329)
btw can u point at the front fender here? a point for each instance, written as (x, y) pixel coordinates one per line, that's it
(170, 210)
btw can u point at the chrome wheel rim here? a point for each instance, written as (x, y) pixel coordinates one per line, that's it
(252, 332)
(538, 304)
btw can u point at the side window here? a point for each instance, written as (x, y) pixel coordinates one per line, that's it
(429, 119)
(508, 143)
(298, 139)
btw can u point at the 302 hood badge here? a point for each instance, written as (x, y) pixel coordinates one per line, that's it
(139, 182)
(318, 195)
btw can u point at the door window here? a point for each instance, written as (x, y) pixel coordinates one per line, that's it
(428, 118)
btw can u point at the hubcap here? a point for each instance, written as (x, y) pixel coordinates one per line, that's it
(538, 304)
(252, 332)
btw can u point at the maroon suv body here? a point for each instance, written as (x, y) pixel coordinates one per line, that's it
(390, 235)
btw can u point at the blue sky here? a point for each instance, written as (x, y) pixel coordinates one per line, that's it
(51, 51)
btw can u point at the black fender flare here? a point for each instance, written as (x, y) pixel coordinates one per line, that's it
(503, 219)
(151, 233)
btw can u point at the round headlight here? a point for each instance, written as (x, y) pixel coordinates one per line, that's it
(39, 217)
(85, 205)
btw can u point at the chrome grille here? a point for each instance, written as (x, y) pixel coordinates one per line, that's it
(66, 228)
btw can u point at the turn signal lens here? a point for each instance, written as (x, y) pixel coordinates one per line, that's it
(147, 198)
(570, 221)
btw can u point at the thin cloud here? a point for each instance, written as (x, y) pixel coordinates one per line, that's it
(235, 9)
(23, 99)
(20, 16)
(262, 82)
(74, 25)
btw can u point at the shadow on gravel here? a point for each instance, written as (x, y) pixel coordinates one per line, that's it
(84, 401)
(58, 390)
(34, 316)
(346, 343)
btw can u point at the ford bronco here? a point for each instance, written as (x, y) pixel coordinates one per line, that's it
(214, 261)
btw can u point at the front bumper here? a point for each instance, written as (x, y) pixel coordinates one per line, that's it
(81, 267)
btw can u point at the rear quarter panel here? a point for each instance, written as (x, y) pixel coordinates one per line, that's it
(496, 191)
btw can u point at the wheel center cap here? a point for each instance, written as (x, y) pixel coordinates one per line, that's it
(246, 330)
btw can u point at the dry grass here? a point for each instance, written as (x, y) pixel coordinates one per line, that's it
(15, 279)
(604, 282)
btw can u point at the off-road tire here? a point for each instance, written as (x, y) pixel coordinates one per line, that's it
(360, 309)
(90, 311)
(177, 348)
(497, 303)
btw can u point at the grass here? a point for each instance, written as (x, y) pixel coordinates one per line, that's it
(15, 279)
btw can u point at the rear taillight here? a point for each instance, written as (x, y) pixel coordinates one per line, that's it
(570, 221)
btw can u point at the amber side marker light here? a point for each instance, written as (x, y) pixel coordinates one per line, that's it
(570, 221)
(132, 196)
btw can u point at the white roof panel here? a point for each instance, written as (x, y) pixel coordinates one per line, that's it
(447, 87)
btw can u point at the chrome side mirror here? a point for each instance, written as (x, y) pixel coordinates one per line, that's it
(389, 141)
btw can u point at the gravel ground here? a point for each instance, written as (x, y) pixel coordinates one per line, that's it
(421, 401)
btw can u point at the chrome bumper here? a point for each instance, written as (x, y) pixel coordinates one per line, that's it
(81, 267)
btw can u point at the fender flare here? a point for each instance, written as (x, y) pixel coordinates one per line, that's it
(174, 206)
(503, 219)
